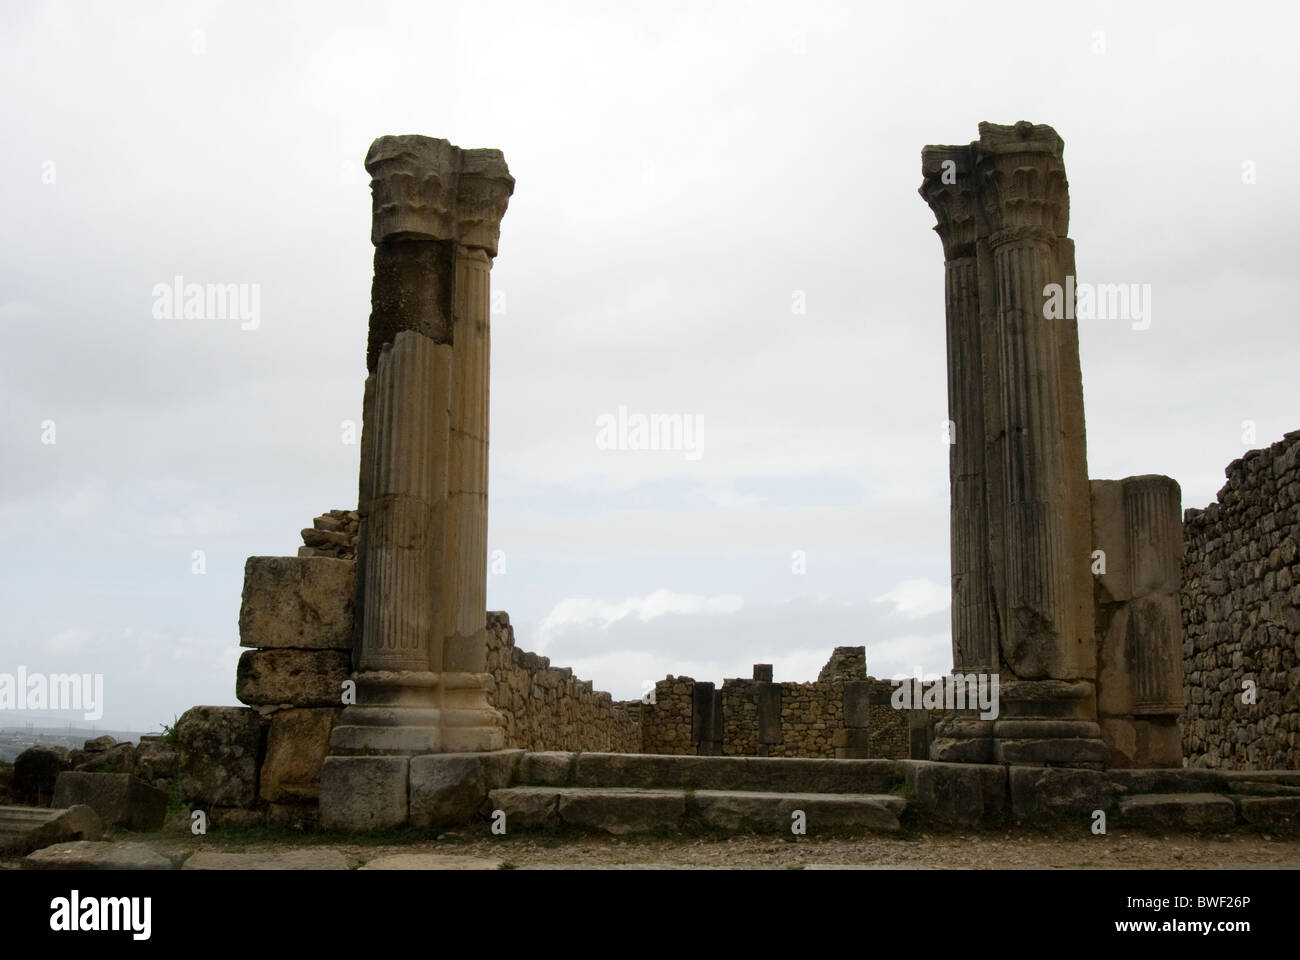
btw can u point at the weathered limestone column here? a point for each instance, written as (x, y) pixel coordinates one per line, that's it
(949, 190)
(421, 638)
(1021, 515)
(1047, 639)
(484, 191)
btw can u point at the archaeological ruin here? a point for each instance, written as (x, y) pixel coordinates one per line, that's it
(1145, 663)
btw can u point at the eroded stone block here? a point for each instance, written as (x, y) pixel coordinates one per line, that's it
(298, 603)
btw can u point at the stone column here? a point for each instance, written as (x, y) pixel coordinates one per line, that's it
(470, 723)
(1047, 631)
(421, 640)
(949, 190)
(1021, 522)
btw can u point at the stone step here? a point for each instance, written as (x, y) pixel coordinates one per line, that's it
(1178, 811)
(660, 771)
(621, 810)
(23, 829)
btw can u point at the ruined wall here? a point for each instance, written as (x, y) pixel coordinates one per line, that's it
(1240, 605)
(548, 708)
(332, 534)
(666, 723)
(845, 714)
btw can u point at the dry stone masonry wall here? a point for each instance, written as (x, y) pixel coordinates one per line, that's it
(1241, 614)
(548, 708)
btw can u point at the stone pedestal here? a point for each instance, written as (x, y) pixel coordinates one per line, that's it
(1137, 527)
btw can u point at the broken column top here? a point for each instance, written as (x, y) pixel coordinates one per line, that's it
(1012, 177)
(426, 188)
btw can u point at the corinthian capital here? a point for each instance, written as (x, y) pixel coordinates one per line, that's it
(485, 189)
(413, 188)
(1023, 183)
(948, 186)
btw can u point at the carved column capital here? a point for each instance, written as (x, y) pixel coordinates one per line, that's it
(1022, 181)
(413, 184)
(484, 192)
(948, 186)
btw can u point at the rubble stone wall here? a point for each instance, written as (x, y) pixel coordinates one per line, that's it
(1240, 603)
(548, 708)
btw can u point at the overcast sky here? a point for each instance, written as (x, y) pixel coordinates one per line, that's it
(687, 177)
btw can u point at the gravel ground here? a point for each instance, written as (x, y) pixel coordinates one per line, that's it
(1019, 850)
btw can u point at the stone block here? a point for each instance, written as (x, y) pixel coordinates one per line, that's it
(1275, 811)
(738, 810)
(23, 829)
(220, 755)
(156, 760)
(1133, 782)
(769, 713)
(118, 758)
(621, 811)
(296, 745)
(36, 770)
(448, 788)
(1047, 792)
(1183, 811)
(763, 672)
(300, 678)
(298, 603)
(1052, 750)
(96, 855)
(526, 808)
(966, 794)
(851, 743)
(547, 768)
(364, 793)
(857, 703)
(312, 858)
(119, 799)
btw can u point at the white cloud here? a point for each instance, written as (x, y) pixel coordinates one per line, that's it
(914, 599)
(587, 612)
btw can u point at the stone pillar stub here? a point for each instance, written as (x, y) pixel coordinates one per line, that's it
(1137, 527)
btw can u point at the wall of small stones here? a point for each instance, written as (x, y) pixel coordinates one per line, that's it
(548, 708)
(809, 714)
(1240, 603)
(666, 723)
(332, 534)
(846, 714)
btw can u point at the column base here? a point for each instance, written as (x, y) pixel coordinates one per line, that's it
(1041, 722)
(411, 713)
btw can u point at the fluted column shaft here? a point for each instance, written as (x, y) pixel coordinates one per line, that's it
(974, 642)
(465, 573)
(408, 500)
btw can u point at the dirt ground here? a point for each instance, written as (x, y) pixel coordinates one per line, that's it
(1018, 850)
